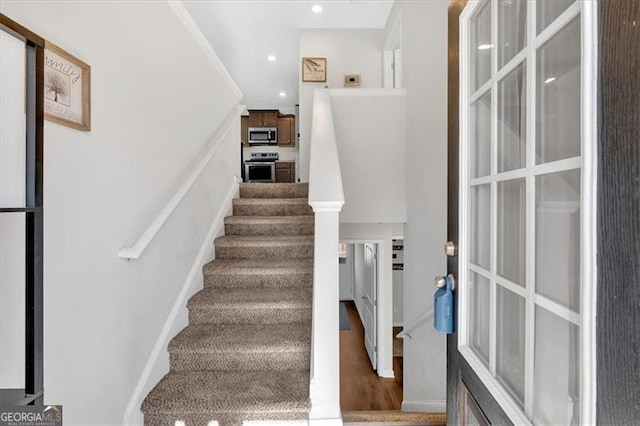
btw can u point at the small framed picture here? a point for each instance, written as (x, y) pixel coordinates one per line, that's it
(314, 70)
(67, 89)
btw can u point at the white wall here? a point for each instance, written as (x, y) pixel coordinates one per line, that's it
(347, 52)
(424, 53)
(157, 98)
(370, 128)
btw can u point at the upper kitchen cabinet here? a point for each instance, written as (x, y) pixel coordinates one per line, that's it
(244, 130)
(287, 130)
(263, 118)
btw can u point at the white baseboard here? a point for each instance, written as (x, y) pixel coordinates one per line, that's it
(398, 324)
(154, 370)
(434, 406)
(387, 374)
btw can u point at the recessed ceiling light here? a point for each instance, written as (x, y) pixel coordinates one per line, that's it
(283, 94)
(271, 58)
(316, 8)
(485, 46)
(550, 80)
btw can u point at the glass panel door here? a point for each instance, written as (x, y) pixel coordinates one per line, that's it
(521, 204)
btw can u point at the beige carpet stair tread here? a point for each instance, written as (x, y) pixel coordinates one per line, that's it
(254, 338)
(276, 298)
(389, 417)
(274, 190)
(268, 220)
(230, 392)
(270, 201)
(264, 240)
(259, 266)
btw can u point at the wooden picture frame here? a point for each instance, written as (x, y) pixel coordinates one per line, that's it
(67, 89)
(314, 70)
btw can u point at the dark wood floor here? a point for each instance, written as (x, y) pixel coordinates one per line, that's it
(360, 387)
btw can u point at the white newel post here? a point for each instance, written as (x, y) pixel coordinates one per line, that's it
(326, 196)
(325, 384)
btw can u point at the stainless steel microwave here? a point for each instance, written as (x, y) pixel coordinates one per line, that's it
(263, 136)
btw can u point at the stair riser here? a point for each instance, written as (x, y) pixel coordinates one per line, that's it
(258, 281)
(278, 361)
(249, 316)
(268, 252)
(269, 229)
(274, 191)
(225, 419)
(277, 210)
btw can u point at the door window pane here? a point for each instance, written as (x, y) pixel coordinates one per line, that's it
(481, 47)
(479, 295)
(558, 237)
(479, 225)
(480, 152)
(512, 29)
(556, 392)
(512, 120)
(558, 96)
(549, 10)
(510, 341)
(511, 230)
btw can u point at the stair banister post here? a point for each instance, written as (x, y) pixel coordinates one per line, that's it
(326, 196)
(325, 385)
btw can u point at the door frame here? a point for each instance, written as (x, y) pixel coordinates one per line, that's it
(33, 392)
(618, 238)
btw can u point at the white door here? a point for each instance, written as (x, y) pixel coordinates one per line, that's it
(369, 298)
(525, 249)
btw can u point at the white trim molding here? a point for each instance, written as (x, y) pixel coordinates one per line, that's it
(368, 92)
(191, 284)
(181, 12)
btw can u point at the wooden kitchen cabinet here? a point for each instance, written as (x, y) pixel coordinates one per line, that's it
(263, 118)
(244, 130)
(285, 172)
(287, 131)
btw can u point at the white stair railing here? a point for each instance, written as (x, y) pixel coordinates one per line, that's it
(134, 252)
(326, 197)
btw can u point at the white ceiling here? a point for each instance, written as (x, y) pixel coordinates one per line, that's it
(244, 33)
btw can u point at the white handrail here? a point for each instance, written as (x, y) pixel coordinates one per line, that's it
(413, 324)
(325, 179)
(326, 196)
(143, 241)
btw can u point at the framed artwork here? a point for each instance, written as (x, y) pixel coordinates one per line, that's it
(314, 70)
(67, 89)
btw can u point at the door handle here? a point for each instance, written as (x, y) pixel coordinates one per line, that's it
(441, 282)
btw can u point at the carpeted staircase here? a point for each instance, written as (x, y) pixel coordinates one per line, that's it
(245, 354)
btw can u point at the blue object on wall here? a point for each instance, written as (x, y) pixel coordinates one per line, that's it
(443, 309)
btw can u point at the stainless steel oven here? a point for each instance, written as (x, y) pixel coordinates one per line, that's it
(261, 167)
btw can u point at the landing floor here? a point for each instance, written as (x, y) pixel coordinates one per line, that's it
(360, 387)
